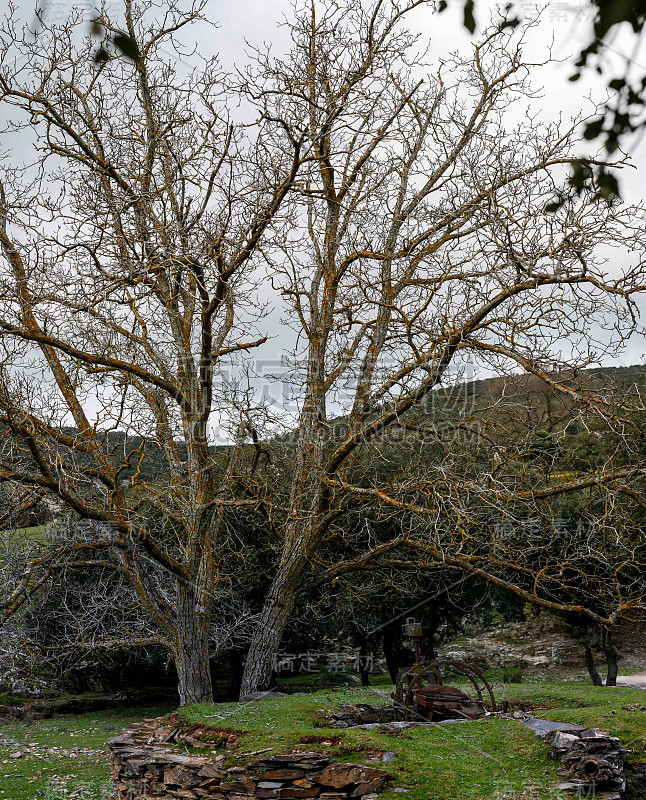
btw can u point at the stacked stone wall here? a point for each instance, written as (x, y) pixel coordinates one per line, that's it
(143, 769)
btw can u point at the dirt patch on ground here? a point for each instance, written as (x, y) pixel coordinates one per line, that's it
(371, 752)
(638, 679)
(197, 734)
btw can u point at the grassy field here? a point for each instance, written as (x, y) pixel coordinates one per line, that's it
(25, 535)
(491, 759)
(62, 757)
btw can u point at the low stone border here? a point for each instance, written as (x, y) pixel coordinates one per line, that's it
(143, 769)
(590, 759)
(146, 764)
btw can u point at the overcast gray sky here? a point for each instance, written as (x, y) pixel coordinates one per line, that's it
(565, 26)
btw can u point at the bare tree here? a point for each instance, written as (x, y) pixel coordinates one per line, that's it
(404, 225)
(424, 245)
(125, 292)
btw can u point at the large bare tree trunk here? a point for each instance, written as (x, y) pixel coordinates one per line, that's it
(391, 644)
(191, 650)
(273, 620)
(602, 639)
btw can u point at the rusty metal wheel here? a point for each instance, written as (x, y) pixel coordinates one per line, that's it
(411, 678)
(430, 673)
(479, 682)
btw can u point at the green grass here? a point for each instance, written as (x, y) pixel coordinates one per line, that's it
(34, 534)
(47, 769)
(578, 701)
(491, 758)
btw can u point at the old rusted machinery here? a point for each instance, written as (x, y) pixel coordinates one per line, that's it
(421, 693)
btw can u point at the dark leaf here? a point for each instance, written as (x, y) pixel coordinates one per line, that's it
(581, 174)
(612, 142)
(509, 21)
(589, 50)
(512, 22)
(635, 99)
(127, 46)
(612, 12)
(608, 186)
(101, 55)
(469, 20)
(593, 129)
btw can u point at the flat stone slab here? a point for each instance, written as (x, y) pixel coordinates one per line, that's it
(248, 698)
(543, 726)
(392, 726)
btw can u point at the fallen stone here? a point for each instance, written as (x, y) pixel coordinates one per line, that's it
(211, 771)
(560, 740)
(194, 761)
(261, 696)
(164, 734)
(179, 776)
(341, 775)
(283, 774)
(191, 741)
(236, 787)
(209, 782)
(367, 787)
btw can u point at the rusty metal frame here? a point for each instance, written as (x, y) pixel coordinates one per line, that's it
(428, 673)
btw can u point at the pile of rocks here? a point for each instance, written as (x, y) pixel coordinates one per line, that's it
(314, 775)
(364, 714)
(145, 768)
(589, 758)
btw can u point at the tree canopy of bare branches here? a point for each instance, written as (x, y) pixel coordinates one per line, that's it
(401, 219)
(127, 270)
(425, 246)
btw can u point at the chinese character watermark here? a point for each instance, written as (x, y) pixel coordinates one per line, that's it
(312, 663)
